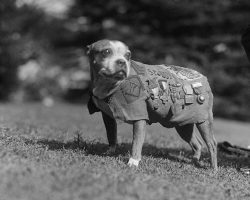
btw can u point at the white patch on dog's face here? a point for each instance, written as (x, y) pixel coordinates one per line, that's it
(115, 62)
(112, 58)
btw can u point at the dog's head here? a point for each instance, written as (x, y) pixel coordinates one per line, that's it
(109, 60)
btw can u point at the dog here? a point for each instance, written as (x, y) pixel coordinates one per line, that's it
(141, 94)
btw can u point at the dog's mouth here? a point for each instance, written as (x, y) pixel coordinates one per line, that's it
(119, 75)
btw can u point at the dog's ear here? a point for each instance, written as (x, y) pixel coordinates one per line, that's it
(88, 49)
(128, 55)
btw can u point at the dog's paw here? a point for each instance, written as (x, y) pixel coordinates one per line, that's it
(111, 150)
(133, 162)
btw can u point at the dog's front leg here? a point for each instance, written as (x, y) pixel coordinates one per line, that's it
(111, 129)
(139, 129)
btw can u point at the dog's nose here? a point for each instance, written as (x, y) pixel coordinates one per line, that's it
(121, 63)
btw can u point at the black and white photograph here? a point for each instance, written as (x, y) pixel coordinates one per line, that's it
(124, 100)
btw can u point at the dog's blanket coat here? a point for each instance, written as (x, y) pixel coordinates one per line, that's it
(170, 95)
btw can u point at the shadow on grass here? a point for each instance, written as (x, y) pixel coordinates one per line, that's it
(100, 149)
(174, 154)
(123, 149)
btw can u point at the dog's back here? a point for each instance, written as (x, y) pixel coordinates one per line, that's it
(176, 95)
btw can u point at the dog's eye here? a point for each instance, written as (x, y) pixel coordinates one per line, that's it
(127, 55)
(105, 52)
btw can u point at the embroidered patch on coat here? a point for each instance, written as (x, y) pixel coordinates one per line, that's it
(131, 89)
(184, 73)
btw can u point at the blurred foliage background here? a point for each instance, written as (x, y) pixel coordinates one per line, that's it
(42, 45)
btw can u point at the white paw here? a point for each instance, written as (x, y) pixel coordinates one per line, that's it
(133, 162)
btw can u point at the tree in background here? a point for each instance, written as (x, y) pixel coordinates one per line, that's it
(16, 27)
(27, 36)
(8, 37)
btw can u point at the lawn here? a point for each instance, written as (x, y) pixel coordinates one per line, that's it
(58, 153)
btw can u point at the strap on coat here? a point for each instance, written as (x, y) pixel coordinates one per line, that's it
(91, 105)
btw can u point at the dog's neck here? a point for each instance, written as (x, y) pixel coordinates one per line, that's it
(102, 87)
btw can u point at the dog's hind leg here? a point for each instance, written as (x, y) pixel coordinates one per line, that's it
(206, 131)
(188, 133)
(111, 129)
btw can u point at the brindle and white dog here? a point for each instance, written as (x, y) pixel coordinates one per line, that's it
(117, 82)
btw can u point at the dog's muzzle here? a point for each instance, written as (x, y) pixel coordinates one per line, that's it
(120, 72)
(118, 75)
(122, 69)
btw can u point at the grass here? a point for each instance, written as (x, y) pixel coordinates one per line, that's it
(58, 153)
